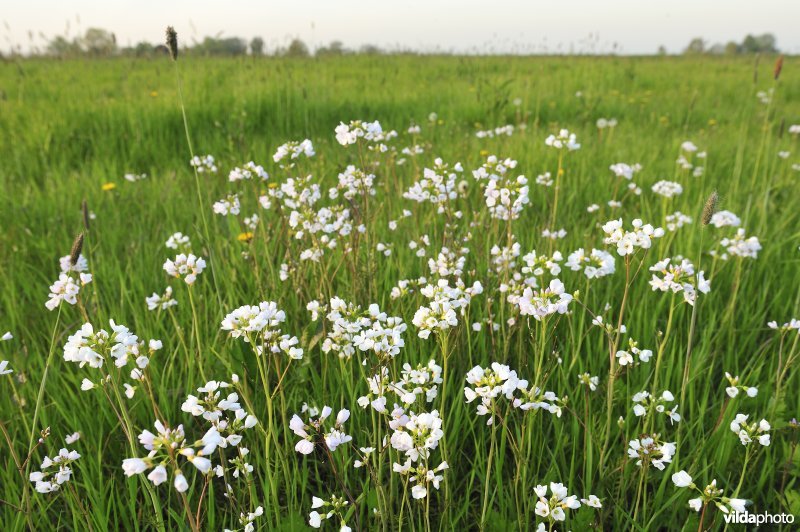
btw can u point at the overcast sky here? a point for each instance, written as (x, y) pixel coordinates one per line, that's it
(489, 26)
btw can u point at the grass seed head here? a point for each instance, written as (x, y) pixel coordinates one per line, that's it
(710, 207)
(75, 252)
(778, 67)
(172, 42)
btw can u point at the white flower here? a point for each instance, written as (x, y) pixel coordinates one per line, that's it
(180, 483)
(158, 476)
(179, 241)
(186, 266)
(564, 139)
(668, 189)
(682, 479)
(161, 302)
(64, 289)
(133, 466)
(641, 236)
(4, 369)
(544, 302)
(724, 219)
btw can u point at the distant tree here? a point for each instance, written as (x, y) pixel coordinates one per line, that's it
(370, 49)
(662, 50)
(732, 48)
(229, 46)
(696, 46)
(143, 49)
(297, 48)
(765, 43)
(716, 49)
(99, 42)
(257, 46)
(334, 48)
(60, 46)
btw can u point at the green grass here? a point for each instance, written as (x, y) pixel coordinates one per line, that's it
(68, 127)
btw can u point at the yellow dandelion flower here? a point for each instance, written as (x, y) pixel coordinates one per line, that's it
(154, 93)
(245, 237)
(109, 186)
(484, 153)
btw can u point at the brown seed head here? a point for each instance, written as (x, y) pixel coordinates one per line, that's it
(75, 252)
(172, 42)
(778, 67)
(710, 208)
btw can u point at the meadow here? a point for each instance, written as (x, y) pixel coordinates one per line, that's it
(409, 293)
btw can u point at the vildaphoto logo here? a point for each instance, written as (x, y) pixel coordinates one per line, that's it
(747, 518)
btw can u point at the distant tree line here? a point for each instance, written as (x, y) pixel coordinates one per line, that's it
(764, 44)
(98, 42)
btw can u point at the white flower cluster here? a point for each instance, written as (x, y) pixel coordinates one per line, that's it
(748, 432)
(734, 387)
(710, 495)
(686, 159)
(449, 263)
(791, 325)
(293, 150)
(353, 328)
(646, 404)
(54, 471)
(499, 131)
(228, 205)
(625, 170)
(597, 264)
(91, 347)
(350, 133)
(416, 435)
(186, 266)
(564, 139)
(741, 246)
(166, 446)
(603, 123)
(247, 519)
(69, 282)
(676, 220)
(336, 507)
(725, 219)
(260, 325)
(641, 236)
(437, 186)
(223, 411)
(319, 227)
(353, 182)
(498, 380)
(553, 508)
(314, 432)
(679, 277)
(668, 189)
(439, 314)
(204, 164)
(625, 357)
(543, 302)
(651, 450)
(161, 301)
(180, 242)
(247, 172)
(505, 195)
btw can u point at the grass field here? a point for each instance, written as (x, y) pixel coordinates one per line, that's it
(70, 131)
